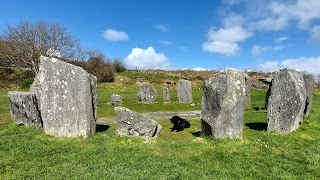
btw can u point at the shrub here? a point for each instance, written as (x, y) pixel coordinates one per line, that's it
(102, 69)
(118, 65)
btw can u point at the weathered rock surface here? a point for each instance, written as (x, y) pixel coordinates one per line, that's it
(131, 123)
(184, 91)
(147, 94)
(309, 83)
(24, 108)
(223, 104)
(286, 102)
(115, 100)
(68, 99)
(166, 95)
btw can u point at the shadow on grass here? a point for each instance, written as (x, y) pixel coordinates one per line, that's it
(197, 134)
(258, 126)
(101, 127)
(259, 108)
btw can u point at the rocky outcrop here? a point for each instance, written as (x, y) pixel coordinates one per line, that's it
(68, 99)
(24, 108)
(223, 104)
(131, 123)
(286, 102)
(147, 94)
(184, 91)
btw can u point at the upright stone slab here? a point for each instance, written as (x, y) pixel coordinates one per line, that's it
(286, 102)
(24, 108)
(184, 91)
(147, 94)
(115, 100)
(68, 99)
(223, 104)
(166, 95)
(309, 83)
(248, 90)
(131, 123)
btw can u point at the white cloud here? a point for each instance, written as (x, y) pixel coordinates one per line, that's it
(161, 27)
(199, 69)
(114, 35)
(147, 59)
(225, 40)
(257, 49)
(272, 23)
(315, 34)
(165, 42)
(280, 39)
(224, 48)
(310, 65)
(231, 2)
(304, 11)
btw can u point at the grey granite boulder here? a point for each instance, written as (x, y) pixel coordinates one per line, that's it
(24, 108)
(147, 94)
(223, 104)
(309, 81)
(286, 102)
(184, 91)
(131, 123)
(115, 100)
(68, 99)
(166, 95)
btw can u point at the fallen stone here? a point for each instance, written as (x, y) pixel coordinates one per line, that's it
(223, 104)
(309, 83)
(131, 123)
(115, 100)
(184, 91)
(286, 102)
(24, 108)
(68, 99)
(147, 94)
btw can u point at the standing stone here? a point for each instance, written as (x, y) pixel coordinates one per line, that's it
(184, 91)
(131, 123)
(223, 104)
(286, 102)
(309, 83)
(115, 100)
(147, 94)
(248, 90)
(166, 95)
(68, 99)
(24, 108)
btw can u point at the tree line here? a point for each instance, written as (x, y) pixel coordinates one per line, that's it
(22, 44)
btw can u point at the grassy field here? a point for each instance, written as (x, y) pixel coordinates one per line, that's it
(27, 153)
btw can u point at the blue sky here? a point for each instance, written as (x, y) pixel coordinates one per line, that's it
(173, 34)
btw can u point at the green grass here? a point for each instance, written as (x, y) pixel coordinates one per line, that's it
(27, 153)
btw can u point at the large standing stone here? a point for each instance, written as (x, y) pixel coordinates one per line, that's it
(68, 99)
(223, 104)
(248, 90)
(115, 100)
(131, 123)
(286, 102)
(147, 94)
(166, 95)
(184, 91)
(24, 108)
(309, 83)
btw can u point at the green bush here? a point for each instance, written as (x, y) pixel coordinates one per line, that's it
(26, 83)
